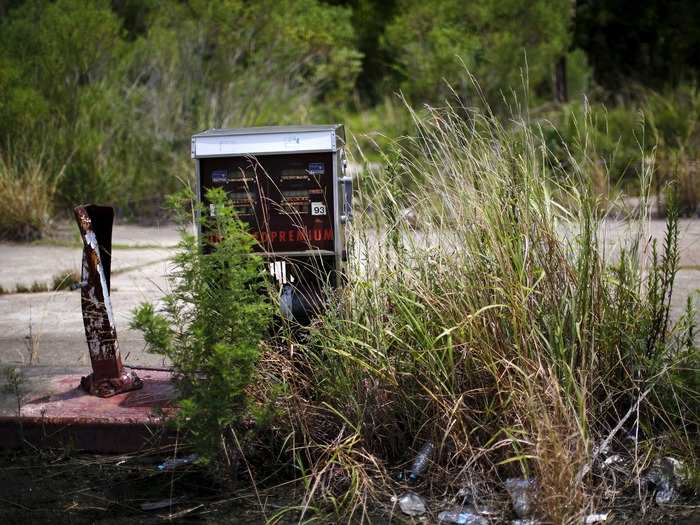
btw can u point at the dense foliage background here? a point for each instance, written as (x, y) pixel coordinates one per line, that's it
(98, 99)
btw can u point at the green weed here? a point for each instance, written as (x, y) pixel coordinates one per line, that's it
(65, 280)
(210, 328)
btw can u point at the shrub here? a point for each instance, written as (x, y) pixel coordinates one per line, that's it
(118, 109)
(500, 43)
(211, 324)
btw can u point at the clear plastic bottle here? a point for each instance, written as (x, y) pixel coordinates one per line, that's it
(412, 504)
(171, 464)
(421, 461)
(461, 517)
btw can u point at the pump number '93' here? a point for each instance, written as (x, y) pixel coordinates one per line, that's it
(318, 208)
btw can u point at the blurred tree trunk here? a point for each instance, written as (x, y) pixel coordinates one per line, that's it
(561, 92)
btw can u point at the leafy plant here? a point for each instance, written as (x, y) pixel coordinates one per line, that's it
(211, 324)
(14, 382)
(65, 280)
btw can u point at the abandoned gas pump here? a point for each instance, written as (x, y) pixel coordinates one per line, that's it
(289, 184)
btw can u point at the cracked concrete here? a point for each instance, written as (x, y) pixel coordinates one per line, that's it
(139, 266)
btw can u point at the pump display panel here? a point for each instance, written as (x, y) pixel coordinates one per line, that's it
(287, 200)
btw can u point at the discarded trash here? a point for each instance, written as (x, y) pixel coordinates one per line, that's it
(485, 510)
(611, 460)
(667, 481)
(409, 215)
(667, 476)
(421, 461)
(526, 521)
(466, 494)
(412, 504)
(463, 516)
(521, 493)
(595, 518)
(171, 464)
(665, 494)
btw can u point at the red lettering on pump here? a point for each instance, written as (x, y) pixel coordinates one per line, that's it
(300, 235)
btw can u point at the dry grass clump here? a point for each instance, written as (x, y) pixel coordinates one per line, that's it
(27, 196)
(65, 280)
(502, 329)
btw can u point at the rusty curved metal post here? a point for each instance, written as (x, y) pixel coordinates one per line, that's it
(108, 376)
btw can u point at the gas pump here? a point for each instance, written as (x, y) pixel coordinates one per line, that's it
(289, 184)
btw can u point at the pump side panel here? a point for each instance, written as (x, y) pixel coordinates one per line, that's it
(287, 200)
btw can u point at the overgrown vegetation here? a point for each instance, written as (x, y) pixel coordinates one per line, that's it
(65, 280)
(211, 324)
(498, 322)
(505, 329)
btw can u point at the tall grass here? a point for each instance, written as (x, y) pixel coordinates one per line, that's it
(504, 327)
(27, 193)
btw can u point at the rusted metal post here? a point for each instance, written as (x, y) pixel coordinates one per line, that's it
(108, 374)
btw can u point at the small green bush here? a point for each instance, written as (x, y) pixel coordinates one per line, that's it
(212, 322)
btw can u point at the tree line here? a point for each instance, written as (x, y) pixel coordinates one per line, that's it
(106, 94)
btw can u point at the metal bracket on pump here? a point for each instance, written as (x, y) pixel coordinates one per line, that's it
(108, 375)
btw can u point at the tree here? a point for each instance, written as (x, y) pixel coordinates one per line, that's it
(498, 41)
(655, 43)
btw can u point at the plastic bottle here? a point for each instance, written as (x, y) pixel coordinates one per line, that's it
(412, 504)
(170, 464)
(461, 517)
(522, 493)
(421, 461)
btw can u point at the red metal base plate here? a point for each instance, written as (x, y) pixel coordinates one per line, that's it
(50, 409)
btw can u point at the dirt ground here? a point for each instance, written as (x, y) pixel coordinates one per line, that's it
(52, 487)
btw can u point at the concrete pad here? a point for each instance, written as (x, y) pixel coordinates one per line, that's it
(25, 264)
(138, 275)
(688, 242)
(57, 323)
(163, 236)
